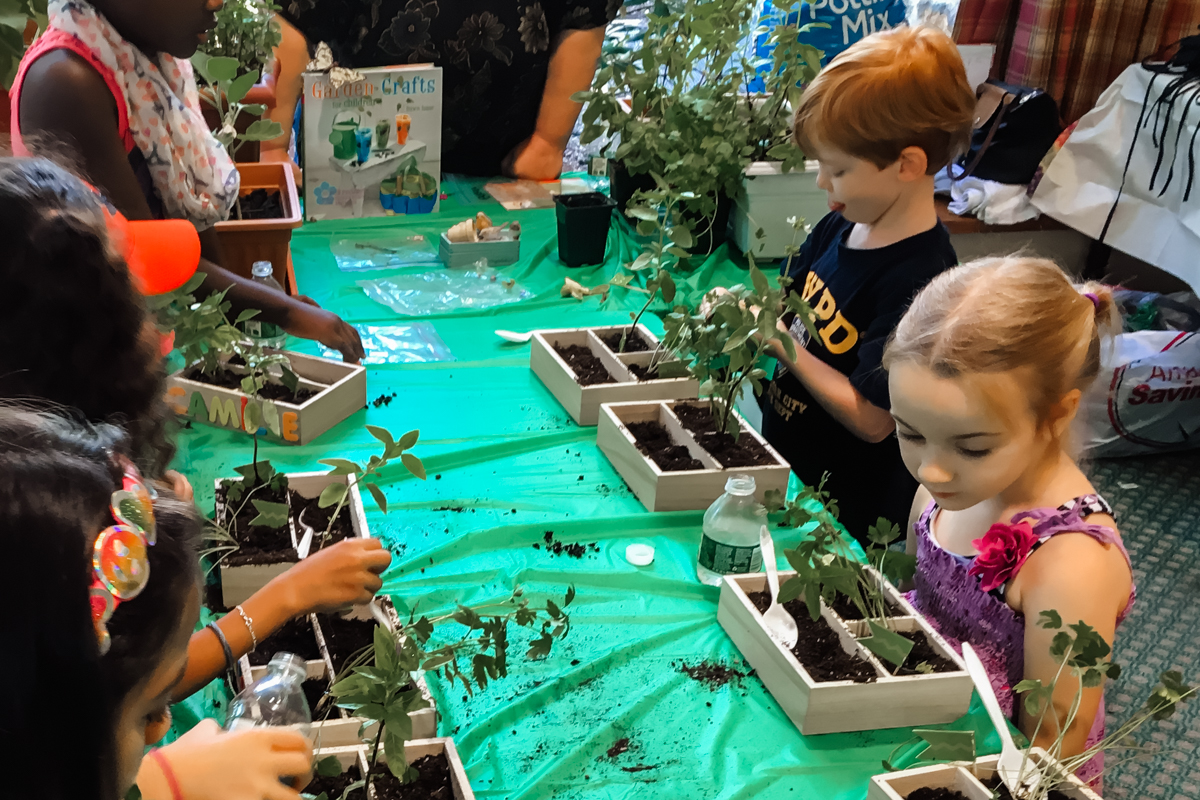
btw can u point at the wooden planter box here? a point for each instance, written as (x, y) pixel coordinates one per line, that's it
(840, 706)
(768, 196)
(683, 489)
(345, 730)
(464, 254)
(413, 750)
(245, 241)
(238, 582)
(583, 402)
(341, 390)
(961, 777)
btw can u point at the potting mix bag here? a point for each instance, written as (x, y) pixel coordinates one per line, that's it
(372, 148)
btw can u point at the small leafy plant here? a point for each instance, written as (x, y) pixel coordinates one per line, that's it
(226, 90)
(723, 344)
(381, 688)
(336, 494)
(826, 567)
(247, 32)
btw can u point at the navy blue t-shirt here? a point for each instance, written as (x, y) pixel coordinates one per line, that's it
(859, 297)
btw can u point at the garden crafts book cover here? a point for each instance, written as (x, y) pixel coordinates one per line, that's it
(373, 147)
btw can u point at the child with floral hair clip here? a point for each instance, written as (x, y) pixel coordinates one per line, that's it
(985, 372)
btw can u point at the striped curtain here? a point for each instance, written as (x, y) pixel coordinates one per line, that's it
(1073, 48)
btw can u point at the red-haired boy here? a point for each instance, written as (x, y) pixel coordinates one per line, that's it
(881, 119)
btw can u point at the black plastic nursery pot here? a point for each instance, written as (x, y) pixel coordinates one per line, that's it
(583, 223)
(622, 184)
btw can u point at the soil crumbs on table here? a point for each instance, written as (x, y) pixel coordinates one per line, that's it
(926, 793)
(995, 784)
(746, 451)
(228, 379)
(260, 204)
(334, 785)
(259, 544)
(345, 637)
(818, 647)
(634, 342)
(589, 370)
(383, 400)
(619, 746)
(924, 653)
(714, 676)
(654, 441)
(296, 636)
(433, 783)
(574, 549)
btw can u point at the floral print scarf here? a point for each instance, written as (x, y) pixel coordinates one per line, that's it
(191, 171)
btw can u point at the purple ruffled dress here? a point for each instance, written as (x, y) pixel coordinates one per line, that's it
(960, 610)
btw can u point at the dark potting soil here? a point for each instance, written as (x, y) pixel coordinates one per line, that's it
(845, 609)
(228, 379)
(925, 793)
(261, 204)
(818, 647)
(345, 637)
(589, 370)
(433, 783)
(653, 440)
(314, 690)
(383, 400)
(923, 653)
(296, 636)
(746, 451)
(643, 373)
(634, 342)
(619, 746)
(262, 545)
(714, 676)
(995, 784)
(334, 786)
(572, 549)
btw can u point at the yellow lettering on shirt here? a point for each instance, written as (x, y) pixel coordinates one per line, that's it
(839, 335)
(826, 307)
(812, 285)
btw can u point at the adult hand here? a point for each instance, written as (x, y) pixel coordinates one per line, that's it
(334, 577)
(240, 765)
(179, 485)
(310, 321)
(535, 159)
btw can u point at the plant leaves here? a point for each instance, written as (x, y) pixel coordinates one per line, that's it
(249, 313)
(570, 595)
(887, 644)
(332, 494)
(382, 434)
(1049, 620)
(328, 767)
(289, 379)
(947, 745)
(222, 69)
(341, 466)
(270, 515)
(413, 464)
(408, 440)
(380, 498)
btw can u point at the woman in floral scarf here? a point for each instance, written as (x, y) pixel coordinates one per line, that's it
(111, 80)
(986, 370)
(508, 69)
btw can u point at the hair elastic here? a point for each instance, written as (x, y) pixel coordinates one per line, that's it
(231, 670)
(120, 566)
(1091, 296)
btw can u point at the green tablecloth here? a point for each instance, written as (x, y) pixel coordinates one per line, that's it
(506, 465)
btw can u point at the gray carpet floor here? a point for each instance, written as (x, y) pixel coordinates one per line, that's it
(1157, 503)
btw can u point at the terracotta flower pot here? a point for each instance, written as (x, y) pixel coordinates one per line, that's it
(245, 241)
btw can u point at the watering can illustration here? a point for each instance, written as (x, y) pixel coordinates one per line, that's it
(342, 136)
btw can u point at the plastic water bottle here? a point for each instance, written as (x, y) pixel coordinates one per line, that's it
(729, 545)
(265, 333)
(276, 699)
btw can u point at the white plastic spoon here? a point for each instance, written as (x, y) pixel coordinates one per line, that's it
(1009, 765)
(513, 336)
(780, 625)
(305, 543)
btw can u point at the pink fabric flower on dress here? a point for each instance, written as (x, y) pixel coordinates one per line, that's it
(1002, 551)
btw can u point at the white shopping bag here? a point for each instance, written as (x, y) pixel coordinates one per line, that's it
(1147, 397)
(1081, 183)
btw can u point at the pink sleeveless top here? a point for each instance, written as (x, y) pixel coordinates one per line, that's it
(960, 610)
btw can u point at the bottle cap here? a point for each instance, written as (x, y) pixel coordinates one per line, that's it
(640, 555)
(740, 485)
(262, 269)
(288, 664)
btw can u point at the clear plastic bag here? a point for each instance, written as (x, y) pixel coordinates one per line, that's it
(936, 13)
(399, 344)
(444, 290)
(392, 252)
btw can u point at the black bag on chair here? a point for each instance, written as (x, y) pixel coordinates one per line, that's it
(1015, 127)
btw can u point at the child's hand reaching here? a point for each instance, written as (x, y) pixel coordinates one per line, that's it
(309, 321)
(208, 764)
(344, 574)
